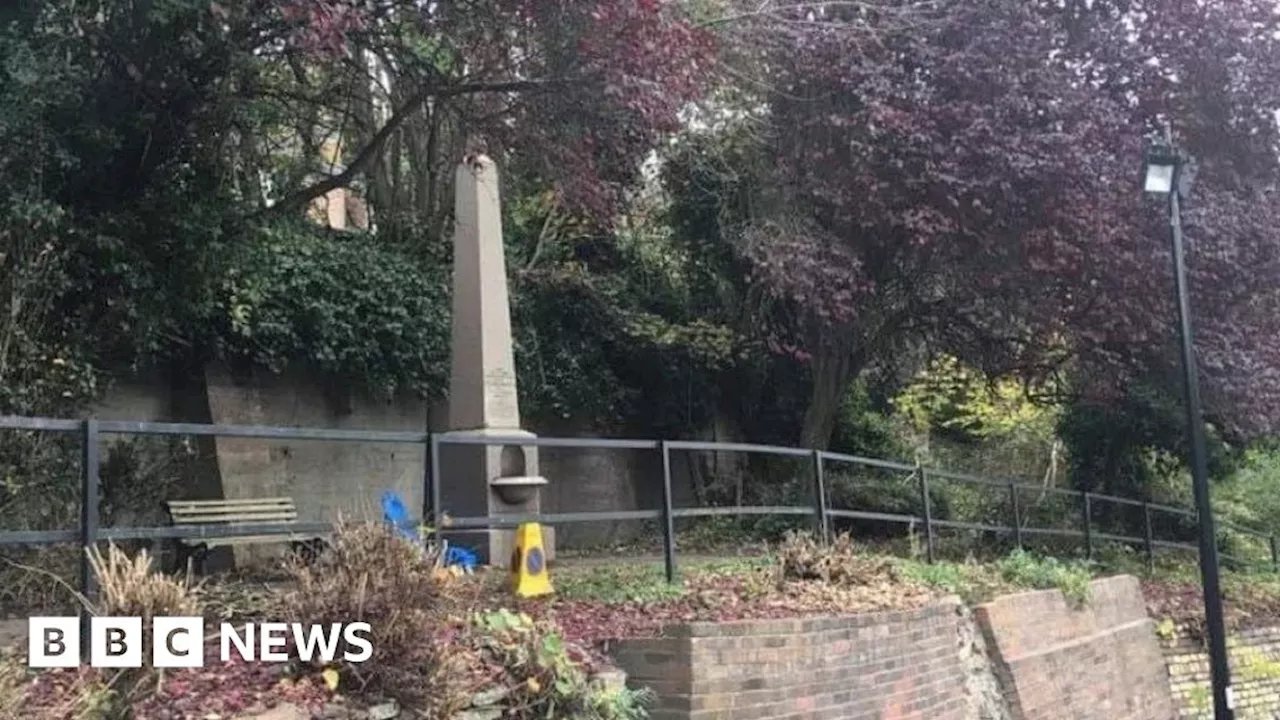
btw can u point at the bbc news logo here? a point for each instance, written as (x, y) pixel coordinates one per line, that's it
(179, 642)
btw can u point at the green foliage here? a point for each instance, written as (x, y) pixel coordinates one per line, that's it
(949, 396)
(944, 575)
(971, 582)
(975, 582)
(1027, 570)
(1135, 447)
(605, 330)
(1255, 665)
(348, 307)
(618, 584)
(548, 679)
(1248, 497)
(1199, 697)
(966, 421)
(865, 428)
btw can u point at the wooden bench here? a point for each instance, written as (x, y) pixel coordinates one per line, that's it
(252, 511)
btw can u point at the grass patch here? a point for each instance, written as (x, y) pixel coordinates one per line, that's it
(973, 583)
(842, 562)
(617, 584)
(646, 582)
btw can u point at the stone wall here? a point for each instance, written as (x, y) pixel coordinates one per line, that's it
(326, 478)
(1255, 671)
(881, 666)
(1100, 661)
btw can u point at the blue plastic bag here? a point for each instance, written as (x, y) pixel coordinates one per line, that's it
(395, 513)
(462, 557)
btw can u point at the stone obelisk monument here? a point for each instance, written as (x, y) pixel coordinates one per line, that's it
(479, 480)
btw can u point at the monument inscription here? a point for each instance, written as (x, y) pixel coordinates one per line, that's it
(501, 398)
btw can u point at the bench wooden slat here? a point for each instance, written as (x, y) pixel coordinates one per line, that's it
(230, 503)
(204, 511)
(238, 511)
(237, 518)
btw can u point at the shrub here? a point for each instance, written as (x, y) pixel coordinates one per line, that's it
(11, 688)
(39, 580)
(801, 557)
(346, 307)
(1027, 570)
(372, 574)
(546, 677)
(129, 587)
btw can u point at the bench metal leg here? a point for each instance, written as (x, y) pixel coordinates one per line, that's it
(181, 557)
(202, 559)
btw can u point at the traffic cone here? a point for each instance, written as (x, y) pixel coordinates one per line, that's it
(529, 563)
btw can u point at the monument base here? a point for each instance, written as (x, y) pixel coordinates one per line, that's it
(468, 471)
(494, 547)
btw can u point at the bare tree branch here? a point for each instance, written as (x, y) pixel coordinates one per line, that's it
(299, 199)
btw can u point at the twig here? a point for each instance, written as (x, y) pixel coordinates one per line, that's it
(39, 571)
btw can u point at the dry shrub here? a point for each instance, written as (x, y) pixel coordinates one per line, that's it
(372, 574)
(12, 680)
(545, 677)
(25, 574)
(840, 562)
(130, 587)
(231, 600)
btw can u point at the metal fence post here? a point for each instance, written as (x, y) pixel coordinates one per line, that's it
(437, 509)
(1017, 514)
(927, 506)
(1275, 555)
(1088, 527)
(668, 514)
(89, 491)
(820, 501)
(428, 481)
(1149, 536)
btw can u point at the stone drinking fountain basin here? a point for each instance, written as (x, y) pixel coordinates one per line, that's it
(517, 489)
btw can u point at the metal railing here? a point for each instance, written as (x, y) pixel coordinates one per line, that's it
(90, 531)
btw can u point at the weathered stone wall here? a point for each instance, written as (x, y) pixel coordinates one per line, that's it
(1100, 661)
(325, 479)
(330, 477)
(881, 666)
(1255, 672)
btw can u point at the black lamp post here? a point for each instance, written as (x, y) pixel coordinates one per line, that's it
(1170, 172)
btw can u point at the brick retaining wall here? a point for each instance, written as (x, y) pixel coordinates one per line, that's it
(1030, 656)
(879, 666)
(1097, 662)
(1255, 672)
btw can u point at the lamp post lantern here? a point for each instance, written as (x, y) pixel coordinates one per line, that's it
(1170, 172)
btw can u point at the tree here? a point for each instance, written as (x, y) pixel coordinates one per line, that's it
(965, 175)
(577, 92)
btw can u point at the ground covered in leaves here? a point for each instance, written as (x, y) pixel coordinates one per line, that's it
(481, 640)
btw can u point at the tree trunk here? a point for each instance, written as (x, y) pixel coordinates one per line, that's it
(833, 367)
